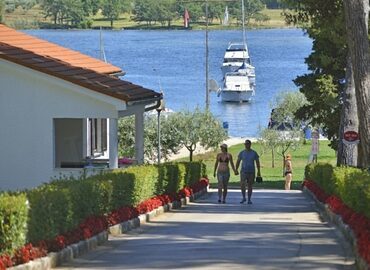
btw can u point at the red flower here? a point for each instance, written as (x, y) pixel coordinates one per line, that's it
(5, 261)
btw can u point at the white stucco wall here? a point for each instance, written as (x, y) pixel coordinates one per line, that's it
(29, 101)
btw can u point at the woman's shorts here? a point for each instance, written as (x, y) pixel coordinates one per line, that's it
(223, 177)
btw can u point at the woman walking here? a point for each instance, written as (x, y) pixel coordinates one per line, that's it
(288, 171)
(223, 172)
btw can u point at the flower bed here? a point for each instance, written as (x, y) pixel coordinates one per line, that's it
(93, 226)
(358, 224)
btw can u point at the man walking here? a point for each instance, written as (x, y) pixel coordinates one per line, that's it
(248, 172)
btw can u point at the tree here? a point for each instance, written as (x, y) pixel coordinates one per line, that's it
(64, 11)
(91, 7)
(349, 120)
(324, 23)
(195, 10)
(166, 12)
(198, 128)
(215, 11)
(2, 7)
(284, 107)
(170, 140)
(52, 9)
(357, 19)
(144, 11)
(178, 130)
(111, 9)
(269, 140)
(251, 8)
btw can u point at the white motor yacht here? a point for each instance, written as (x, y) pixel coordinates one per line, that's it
(237, 87)
(236, 54)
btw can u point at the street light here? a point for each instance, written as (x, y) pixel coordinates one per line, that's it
(159, 109)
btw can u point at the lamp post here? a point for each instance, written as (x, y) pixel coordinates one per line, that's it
(159, 109)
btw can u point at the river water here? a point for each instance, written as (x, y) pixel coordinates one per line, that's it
(175, 62)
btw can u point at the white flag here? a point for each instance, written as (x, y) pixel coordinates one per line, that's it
(226, 17)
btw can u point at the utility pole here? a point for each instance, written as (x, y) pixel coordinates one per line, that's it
(207, 51)
(207, 91)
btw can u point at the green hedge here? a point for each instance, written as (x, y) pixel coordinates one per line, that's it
(192, 172)
(350, 184)
(50, 212)
(322, 174)
(171, 178)
(13, 221)
(353, 187)
(59, 206)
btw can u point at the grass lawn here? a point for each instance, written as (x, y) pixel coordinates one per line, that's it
(272, 177)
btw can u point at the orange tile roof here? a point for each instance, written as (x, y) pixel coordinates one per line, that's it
(88, 78)
(48, 49)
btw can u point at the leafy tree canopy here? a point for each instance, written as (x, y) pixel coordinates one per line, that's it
(323, 21)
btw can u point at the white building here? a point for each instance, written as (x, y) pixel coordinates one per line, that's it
(59, 109)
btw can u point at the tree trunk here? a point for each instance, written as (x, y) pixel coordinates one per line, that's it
(348, 154)
(272, 158)
(283, 155)
(357, 14)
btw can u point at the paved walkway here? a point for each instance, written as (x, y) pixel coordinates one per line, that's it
(280, 230)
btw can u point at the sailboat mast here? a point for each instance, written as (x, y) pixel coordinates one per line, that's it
(207, 52)
(102, 52)
(243, 23)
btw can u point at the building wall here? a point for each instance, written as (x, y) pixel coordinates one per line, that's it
(29, 103)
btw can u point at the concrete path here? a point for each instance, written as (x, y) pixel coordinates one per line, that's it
(280, 230)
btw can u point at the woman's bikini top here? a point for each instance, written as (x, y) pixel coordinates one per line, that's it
(226, 160)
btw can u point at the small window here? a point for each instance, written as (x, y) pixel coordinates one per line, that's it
(98, 136)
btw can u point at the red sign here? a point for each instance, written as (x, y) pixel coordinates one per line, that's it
(350, 136)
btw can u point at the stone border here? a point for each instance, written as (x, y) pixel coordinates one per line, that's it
(54, 259)
(344, 229)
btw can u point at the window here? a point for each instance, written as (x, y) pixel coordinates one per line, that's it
(98, 136)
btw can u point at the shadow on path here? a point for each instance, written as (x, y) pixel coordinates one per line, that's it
(281, 230)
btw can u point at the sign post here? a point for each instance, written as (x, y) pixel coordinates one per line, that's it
(315, 135)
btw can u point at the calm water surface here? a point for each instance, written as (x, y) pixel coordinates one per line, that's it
(175, 62)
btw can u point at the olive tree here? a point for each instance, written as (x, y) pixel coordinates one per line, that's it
(285, 130)
(187, 129)
(169, 139)
(198, 128)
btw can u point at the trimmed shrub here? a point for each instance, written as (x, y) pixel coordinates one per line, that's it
(194, 171)
(350, 184)
(51, 212)
(144, 184)
(322, 174)
(353, 187)
(13, 221)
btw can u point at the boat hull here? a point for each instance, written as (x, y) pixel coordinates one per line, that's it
(236, 96)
